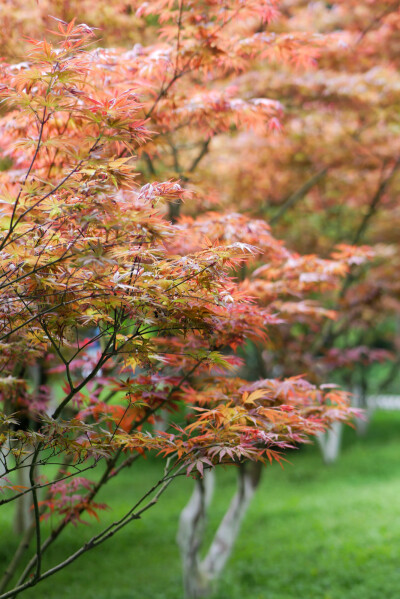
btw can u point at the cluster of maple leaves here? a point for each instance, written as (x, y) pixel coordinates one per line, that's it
(128, 267)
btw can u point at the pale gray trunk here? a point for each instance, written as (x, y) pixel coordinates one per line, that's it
(24, 516)
(359, 400)
(192, 524)
(199, 575)
(221, 547)
(330, 442)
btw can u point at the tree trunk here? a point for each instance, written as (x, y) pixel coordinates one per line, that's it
(192, 524)
(330, 442)
(359, 400)
(24, 516)
(221, 547)
(199, 575)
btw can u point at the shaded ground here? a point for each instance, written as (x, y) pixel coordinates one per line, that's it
(313, 532)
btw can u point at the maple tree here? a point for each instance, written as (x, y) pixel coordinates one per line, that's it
(136, 306)
(332, 179)
(347, 192)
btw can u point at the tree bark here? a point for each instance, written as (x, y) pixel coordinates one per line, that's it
(359, 400)
(330, 442)
(199, 575)
(24, 517)
(192, 525)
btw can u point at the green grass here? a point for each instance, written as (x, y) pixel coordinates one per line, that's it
(313, 532)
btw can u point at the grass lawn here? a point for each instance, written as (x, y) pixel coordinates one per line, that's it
(313, 532)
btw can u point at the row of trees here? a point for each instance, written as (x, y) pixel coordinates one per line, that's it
(138, 265)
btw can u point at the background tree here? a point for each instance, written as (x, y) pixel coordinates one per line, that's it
(332, 179)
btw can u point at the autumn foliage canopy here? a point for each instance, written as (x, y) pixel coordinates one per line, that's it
(136, 260)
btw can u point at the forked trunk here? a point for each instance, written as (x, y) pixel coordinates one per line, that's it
(192, 525)
(199, 575)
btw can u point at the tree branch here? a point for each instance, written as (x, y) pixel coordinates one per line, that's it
(298, 195)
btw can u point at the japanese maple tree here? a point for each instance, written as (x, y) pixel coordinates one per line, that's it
(332, 179)
(137, 308)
